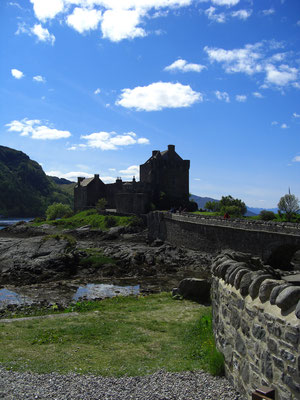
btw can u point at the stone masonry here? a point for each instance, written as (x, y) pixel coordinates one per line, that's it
(256, 320)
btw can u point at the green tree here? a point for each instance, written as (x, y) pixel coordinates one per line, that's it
(101, 204)
(58, 210)
(266, 215)
(288, 204)
(234, 207)
(212, 205)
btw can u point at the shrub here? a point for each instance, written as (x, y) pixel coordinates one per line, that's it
(233, 211)
(192, 206)
(58, 210)
(101, 204)
(266, 215)
(110, 221)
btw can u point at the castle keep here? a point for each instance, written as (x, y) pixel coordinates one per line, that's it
(164, 182)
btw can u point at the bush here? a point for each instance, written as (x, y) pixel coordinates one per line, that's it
(58, 210)
(233, 211)
(266, 215)
(192, 206)
(101, 204)
(110, 221)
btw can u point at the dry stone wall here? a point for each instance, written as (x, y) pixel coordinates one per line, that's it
(256, 319)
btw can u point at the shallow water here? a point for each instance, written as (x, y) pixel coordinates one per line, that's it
(11, 221)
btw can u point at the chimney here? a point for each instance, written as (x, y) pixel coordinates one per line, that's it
(155, 152)
(96, 176)
(79, 179)
(171, 148)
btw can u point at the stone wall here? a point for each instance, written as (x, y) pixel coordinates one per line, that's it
(256, 325)
(215, 234)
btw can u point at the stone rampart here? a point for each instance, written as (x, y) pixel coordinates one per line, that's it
(256, 325)
(213, 234)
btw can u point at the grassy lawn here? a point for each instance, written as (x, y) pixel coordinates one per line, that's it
(114, 337)
(92, 218)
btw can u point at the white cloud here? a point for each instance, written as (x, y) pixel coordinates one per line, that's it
(269, 11)
(254, 59)
(242, 14)
(258, 95)
(112, 140)
(296, 159)
(281, 76)
(43, 34)
(17, 73)
(284, 126)
(120, 19)
(184, 66)
(295, 115)
(211, 14)
(228, 3)
(97, 91)
(72, 176)
(84, 19)
(222, 96)
(36, 130)
(133, 170)
(159, 95)
(274, 123)
(45, 9)
(122, 24)
(241, 98)
(39, 78)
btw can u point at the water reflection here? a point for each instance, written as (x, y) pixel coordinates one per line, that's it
(93, 291)
(10, 297)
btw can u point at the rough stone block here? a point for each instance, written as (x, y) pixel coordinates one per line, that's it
(276, 291)
(239, 276)
(240, 345)
(258, 332)
(245, 283)
(266, 288)
(272, 345)
(292, 335)
(195, 289)
(255, 285)
(288, 298)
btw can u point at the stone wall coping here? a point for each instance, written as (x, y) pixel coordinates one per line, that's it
(237, 223)
(266, 308)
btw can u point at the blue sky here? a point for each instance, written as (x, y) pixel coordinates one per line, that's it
(93, 86)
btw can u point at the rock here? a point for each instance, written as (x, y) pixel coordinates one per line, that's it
(297, 311)
(245, 283)
(276, 291)
(295, 261)
(239, 276)
(255, 285)
(195, 289)
(288, 298)
(266, 289)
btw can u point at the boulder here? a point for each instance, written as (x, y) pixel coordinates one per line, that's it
(288, 298)
(195, 289)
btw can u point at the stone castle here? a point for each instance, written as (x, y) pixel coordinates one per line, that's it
(164, 183)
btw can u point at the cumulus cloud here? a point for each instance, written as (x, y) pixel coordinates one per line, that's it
(43, 34)
(97, 91)
(34, 129)
(258, 95)
(112, 140)
(83, 19)
(281, 76)
(284, 126)
(241, 98)
(72, 176)
(228, 3)
(159, 95)
(213, 16)
(39, 78)
(118, 19)
(269, 11)
(223, 96)
(242, 14)
(273, 123)
(184, 66)
(254, 59)
(133, 170)
(296, 159)
(17, 73)
(295, 115)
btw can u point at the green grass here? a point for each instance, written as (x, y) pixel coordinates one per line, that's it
(92, 218)
(95, 258)
(114, 337)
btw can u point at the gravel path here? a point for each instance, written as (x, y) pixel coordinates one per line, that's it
(158, 386)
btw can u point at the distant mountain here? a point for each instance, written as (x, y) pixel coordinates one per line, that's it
(201, 201)
(59, 181)
(258, 210)
(25, 189)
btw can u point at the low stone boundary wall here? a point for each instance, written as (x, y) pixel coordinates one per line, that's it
(256, 326)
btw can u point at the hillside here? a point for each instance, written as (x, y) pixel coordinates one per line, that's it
(25, 190)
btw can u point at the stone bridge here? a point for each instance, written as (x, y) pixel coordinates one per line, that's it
(274, 242)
